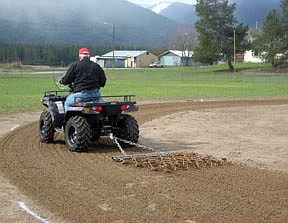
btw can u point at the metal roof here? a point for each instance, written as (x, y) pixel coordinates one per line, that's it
(178, 53)
(125, 53)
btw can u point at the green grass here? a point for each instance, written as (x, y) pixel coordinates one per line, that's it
(20, 94)
(21, 90)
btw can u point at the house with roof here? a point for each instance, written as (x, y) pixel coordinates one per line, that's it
(249, 56)
(127, 59)
(177, 58)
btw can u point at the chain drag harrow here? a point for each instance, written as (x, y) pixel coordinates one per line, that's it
(165, 161)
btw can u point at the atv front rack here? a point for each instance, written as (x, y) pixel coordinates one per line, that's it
(56, 93)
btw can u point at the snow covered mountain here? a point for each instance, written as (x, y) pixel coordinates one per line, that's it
(158, 8)
(247, 11)
(159, 5)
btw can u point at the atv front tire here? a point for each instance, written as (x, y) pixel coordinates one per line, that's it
(78, 134)
(46, 130)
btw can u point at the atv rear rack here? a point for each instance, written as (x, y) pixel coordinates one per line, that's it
(112, 100)
(105, 100)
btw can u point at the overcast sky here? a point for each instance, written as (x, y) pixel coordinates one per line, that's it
(152, 2)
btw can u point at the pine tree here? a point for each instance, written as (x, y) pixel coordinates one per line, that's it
(216, 31)
(284, 24)
(270, 42)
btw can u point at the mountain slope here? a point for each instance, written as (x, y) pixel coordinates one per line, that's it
(76, 22)
(247, 11)
(182, 13)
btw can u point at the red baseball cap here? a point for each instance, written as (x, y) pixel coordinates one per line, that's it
(84, 52)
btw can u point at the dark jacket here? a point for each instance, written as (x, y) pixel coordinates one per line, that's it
(85, 75)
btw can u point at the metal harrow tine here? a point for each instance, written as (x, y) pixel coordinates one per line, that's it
(153, 162)
(166, 163)
(139, 161)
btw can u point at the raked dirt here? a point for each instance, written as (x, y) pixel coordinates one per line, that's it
(62, 186)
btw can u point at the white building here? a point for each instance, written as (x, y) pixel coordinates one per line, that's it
(249, 56)
(177, 58)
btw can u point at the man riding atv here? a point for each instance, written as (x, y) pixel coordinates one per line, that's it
(86, 116)
(85, 78)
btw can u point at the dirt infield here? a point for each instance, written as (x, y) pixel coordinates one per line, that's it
(62, 186)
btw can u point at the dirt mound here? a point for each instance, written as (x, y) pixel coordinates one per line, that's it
(90, 187)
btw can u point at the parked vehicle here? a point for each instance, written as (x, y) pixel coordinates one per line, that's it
(156, 64)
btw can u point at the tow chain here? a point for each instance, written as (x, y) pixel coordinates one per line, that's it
(116, 139)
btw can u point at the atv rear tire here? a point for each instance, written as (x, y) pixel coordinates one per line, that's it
(78, 134)
(46, 130)
(129, 130)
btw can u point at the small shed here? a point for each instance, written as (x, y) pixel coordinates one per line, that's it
(249, 56)
(177, 58)
(127, 59)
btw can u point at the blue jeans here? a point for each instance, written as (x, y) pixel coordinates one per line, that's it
(82, 97)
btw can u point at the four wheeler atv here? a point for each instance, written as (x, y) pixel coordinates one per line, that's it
(85, 122)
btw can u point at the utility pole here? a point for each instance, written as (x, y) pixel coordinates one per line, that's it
(234, 46)
(113, 43)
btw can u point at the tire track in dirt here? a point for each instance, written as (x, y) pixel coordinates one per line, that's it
(90, 187)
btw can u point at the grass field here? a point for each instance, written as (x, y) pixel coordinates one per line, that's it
(21, 89)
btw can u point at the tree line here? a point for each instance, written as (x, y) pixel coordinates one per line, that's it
(39, 54)
(55, 54)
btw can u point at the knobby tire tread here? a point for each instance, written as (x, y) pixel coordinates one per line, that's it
(83, 135)
(46, 123)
